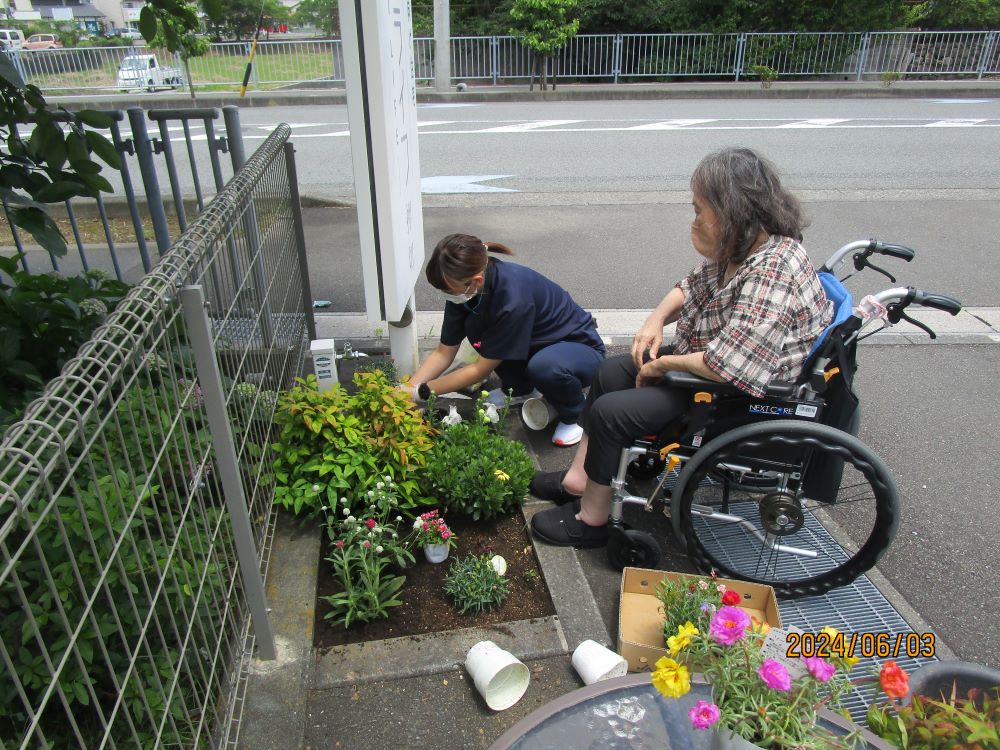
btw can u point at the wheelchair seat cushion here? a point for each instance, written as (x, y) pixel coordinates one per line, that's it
(843, 305)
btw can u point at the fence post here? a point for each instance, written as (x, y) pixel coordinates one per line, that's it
(863, 53)
(616, 56)
(199, 333)
(741, 52)
(988, 47)
(234, 139)
(494, 59)
(147, 168)
(300, 238)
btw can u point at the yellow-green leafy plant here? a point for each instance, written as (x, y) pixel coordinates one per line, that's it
(889, 77)
(332, 442)
(474, 584)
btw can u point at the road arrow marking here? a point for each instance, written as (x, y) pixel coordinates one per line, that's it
(462, 184)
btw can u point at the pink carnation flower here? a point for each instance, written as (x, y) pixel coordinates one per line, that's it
(370, 523)
(728, 625)
(703, 714)
(819, 668)
(366, 544)
(775, 676)
(445, 534)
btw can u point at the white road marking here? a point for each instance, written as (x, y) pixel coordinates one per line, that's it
(817, 123)
(462, 184)
(669, 125)
(954, 123)
(526, 126)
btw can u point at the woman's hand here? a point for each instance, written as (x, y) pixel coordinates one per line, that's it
(647, 342)
(652, 372)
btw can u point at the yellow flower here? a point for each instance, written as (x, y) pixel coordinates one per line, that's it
(672, 679)
(679, 642)
(500, 474)
(836, 639)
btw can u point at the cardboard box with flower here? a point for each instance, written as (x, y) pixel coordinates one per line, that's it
(758, 693)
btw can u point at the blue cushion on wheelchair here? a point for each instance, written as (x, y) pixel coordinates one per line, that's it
(843, 305)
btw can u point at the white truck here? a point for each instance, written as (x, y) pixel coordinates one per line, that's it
(138, 71)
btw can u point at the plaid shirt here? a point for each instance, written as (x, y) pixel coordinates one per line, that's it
(761, 326)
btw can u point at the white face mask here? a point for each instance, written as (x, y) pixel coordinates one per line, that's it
(460, 299)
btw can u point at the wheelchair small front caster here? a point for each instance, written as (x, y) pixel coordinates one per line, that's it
(631, 548)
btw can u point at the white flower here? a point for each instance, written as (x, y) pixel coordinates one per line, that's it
(378, 549)
(491, 414)
(395, 535)
(398, 519)
(387, 478)
(316, 488)
(453, 417)
(417, 523)
(380, 485)
(371, 493)
(343, 501)
(377, 530)
(347, 512)
(351, 519)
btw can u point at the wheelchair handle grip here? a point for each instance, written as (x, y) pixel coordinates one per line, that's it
(937, 301)
(894, 251)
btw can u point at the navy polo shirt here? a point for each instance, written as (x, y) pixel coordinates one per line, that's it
(518, 313)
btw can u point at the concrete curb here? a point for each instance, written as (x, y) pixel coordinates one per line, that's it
(563, 93)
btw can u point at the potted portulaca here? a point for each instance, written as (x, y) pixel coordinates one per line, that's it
(433, 534)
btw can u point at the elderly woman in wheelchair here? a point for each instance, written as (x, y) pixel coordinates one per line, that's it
(745, 417)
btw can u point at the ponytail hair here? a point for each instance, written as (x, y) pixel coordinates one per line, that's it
(459, 257)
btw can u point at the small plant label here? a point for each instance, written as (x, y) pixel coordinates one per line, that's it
(776, 647)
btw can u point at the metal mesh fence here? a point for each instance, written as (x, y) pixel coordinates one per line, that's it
(125, 597)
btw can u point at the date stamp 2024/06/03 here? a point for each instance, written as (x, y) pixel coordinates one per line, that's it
(865, 645)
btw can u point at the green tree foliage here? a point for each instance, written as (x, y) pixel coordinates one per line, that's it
(187, 45)
(544, 26)
(723, 16)
(967, 15)
(606, 17)
(319, 14)
(237, 18)
(53, 164)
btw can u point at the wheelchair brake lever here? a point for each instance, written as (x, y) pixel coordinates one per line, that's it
(895, 314)
(861, 262)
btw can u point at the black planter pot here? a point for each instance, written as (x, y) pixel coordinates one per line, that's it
(935, 680)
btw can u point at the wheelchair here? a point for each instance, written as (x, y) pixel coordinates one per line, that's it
(778, 489)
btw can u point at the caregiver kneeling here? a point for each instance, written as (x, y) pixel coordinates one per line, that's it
(523, 325)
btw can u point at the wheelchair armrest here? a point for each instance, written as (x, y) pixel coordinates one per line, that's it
(686, 380)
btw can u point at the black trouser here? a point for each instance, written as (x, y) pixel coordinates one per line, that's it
(616, 413)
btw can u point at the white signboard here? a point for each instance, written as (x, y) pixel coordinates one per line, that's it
(382, 112)
(62, 14)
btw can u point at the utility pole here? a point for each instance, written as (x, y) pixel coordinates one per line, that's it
(442, 45)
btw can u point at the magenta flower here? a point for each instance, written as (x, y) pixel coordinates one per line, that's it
(728, 625)
(703, 714)
(340, 543)
(821, 669)
(775, 676)
(445, 534)
(370, 523)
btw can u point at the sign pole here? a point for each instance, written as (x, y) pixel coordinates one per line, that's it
(377, 39)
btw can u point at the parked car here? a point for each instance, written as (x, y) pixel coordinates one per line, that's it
(132, 34)
(145, 71)
(12, 39)
(42, 41)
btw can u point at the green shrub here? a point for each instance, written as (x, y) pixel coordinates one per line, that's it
(334, 442)
(474, 584)
(44, 318)
(766, 74)
(928, 724)
(475, 470)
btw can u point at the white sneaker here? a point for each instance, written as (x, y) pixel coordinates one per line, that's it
(498, 397)
(567, 434)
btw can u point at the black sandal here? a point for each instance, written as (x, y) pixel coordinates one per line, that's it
(561, 527)
(547, 485)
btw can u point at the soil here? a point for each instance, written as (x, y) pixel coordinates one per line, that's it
(426, 608)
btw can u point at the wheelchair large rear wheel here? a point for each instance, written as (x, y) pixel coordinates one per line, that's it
(741, 507)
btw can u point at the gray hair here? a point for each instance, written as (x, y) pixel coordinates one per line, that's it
(746, 194)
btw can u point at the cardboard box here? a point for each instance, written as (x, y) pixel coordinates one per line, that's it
(640, 617)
